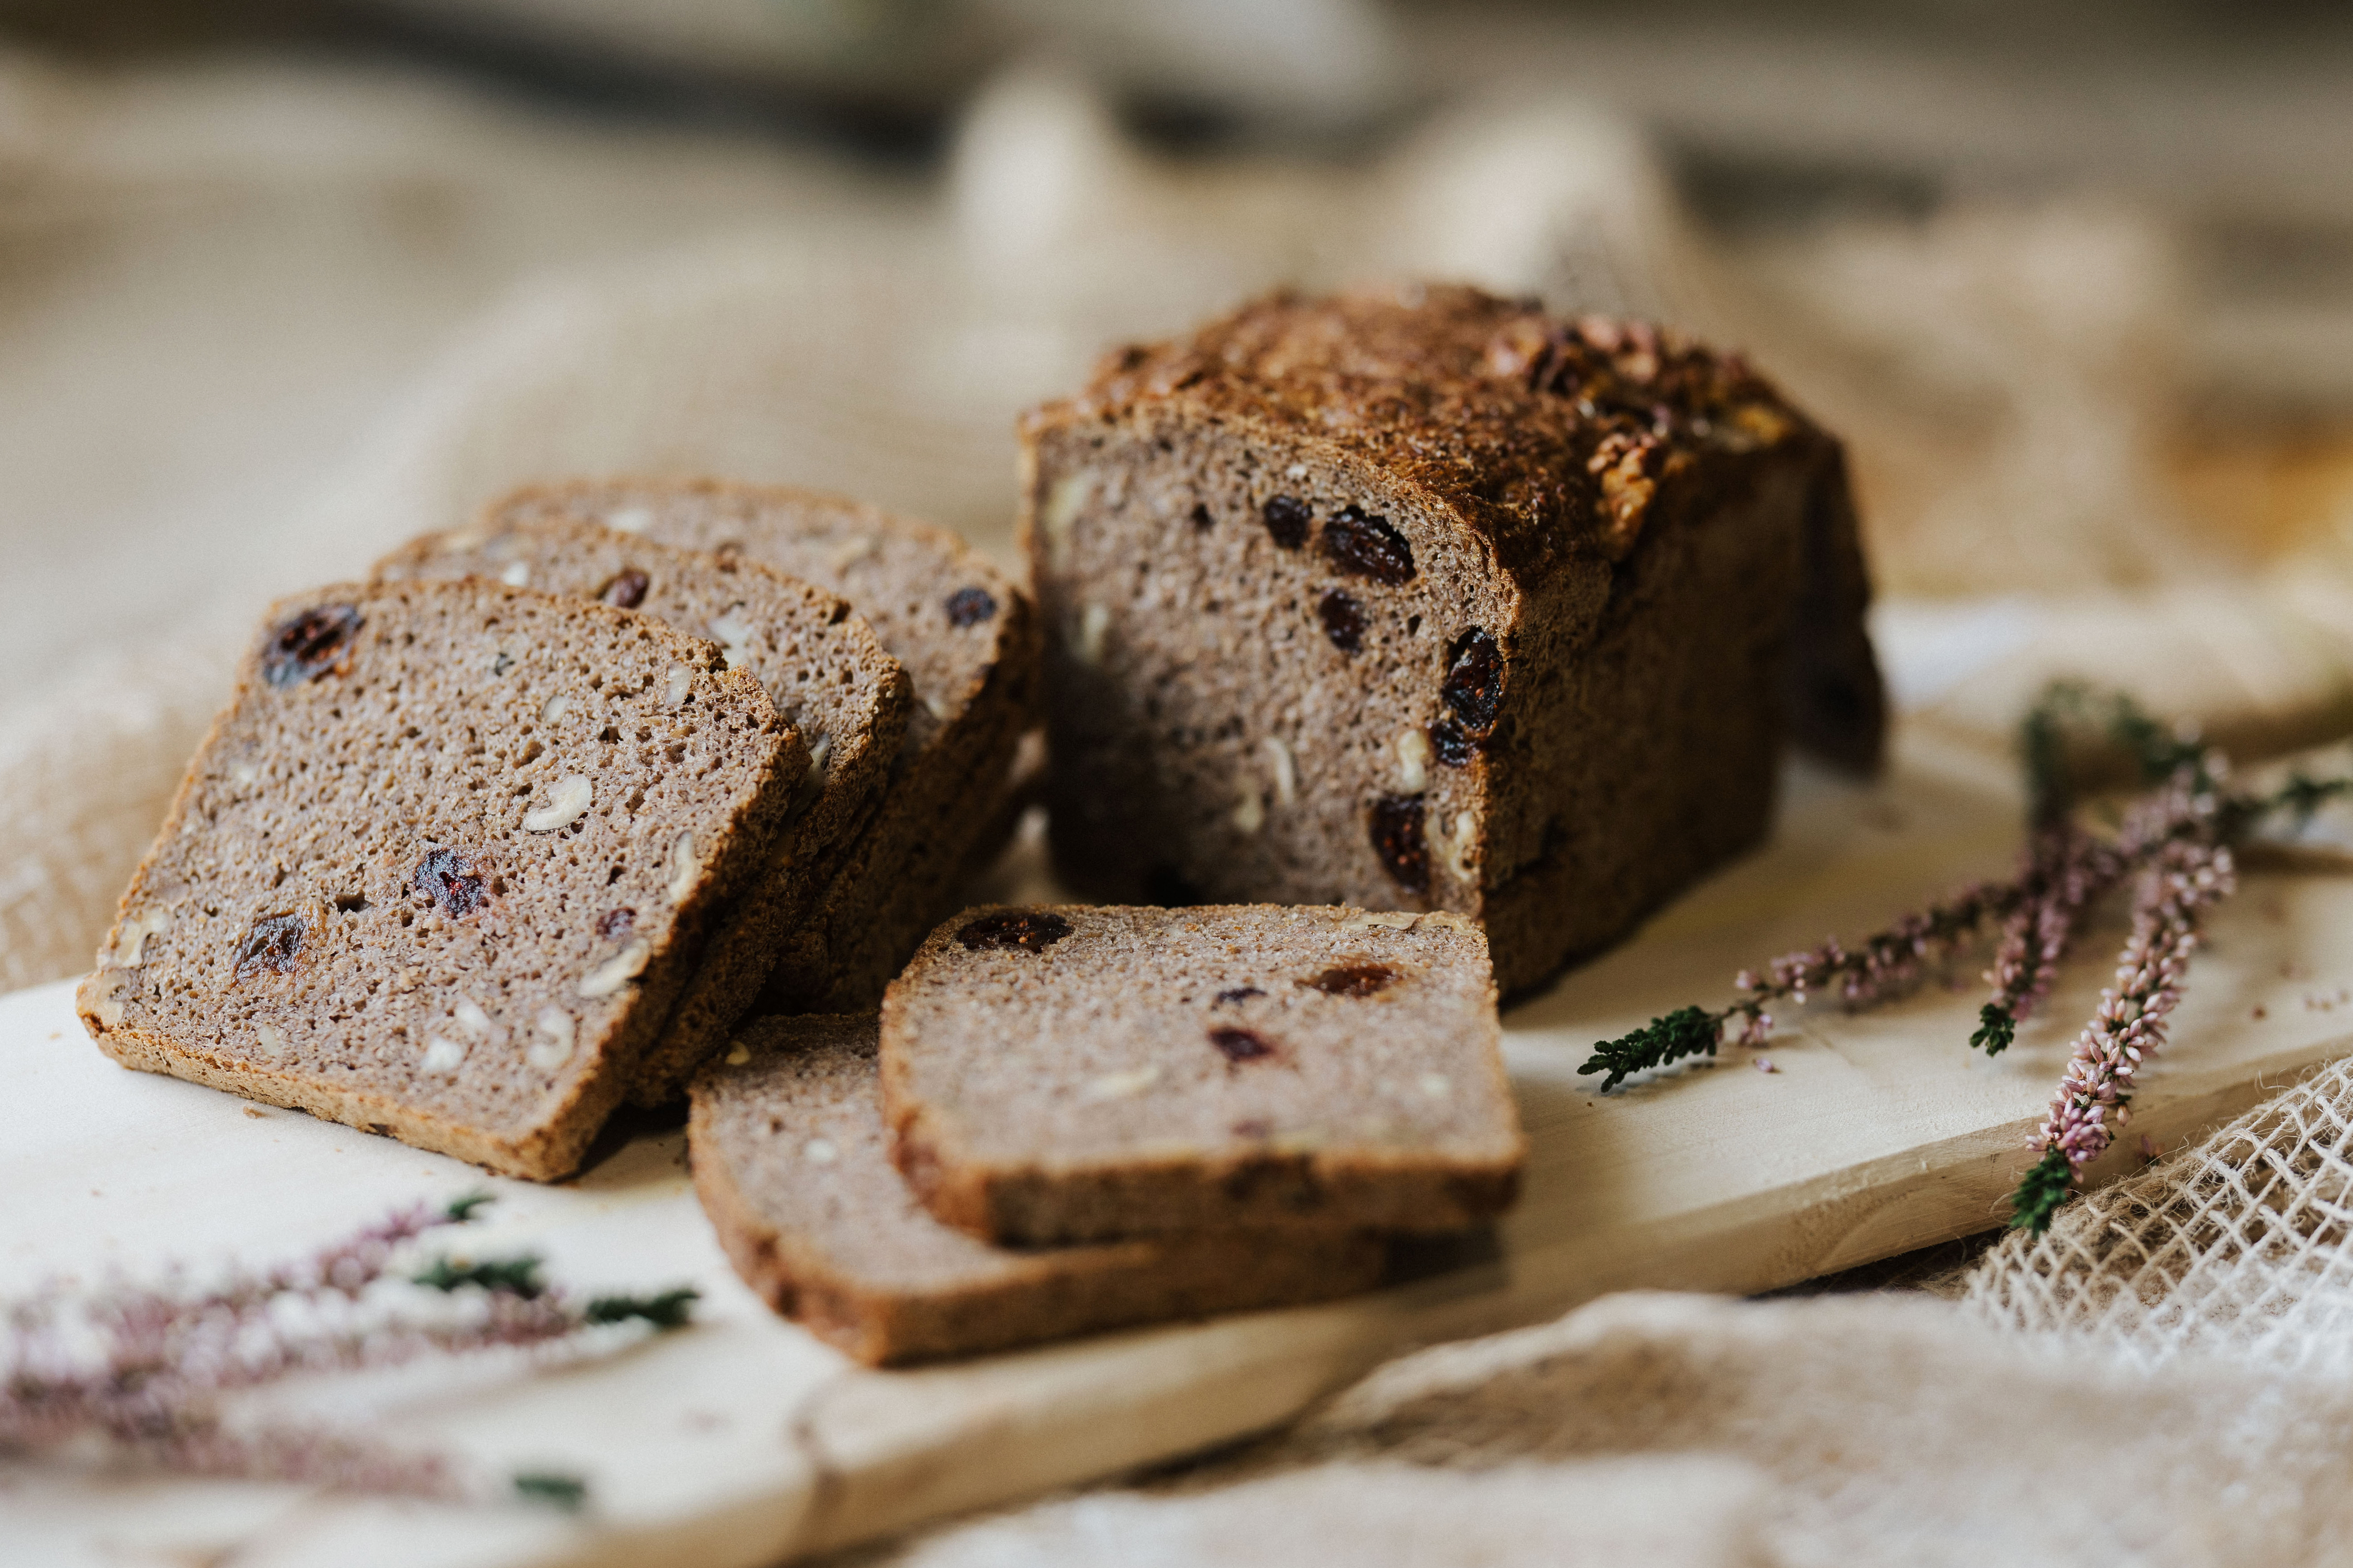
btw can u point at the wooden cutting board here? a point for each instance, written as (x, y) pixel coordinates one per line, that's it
(743, 1441)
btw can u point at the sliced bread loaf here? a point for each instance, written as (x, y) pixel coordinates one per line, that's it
(1428, 600)
(793, 1165)
(443, 865)
(819, 662)
(1072, 1073)
(968, 638)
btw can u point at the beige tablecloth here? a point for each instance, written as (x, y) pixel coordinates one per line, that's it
(263, 321)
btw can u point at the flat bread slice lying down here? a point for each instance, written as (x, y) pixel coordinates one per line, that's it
(793, 1165)
(443, 865)
(1079, 1072)
(816, 658)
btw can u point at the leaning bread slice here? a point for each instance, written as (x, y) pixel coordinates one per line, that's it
(442, 865)
(793, 1165)
(1072, 1073)
(819, 662)
(970, 640)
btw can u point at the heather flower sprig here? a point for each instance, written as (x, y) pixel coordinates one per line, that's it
(2189, 877)
(1884, 965)
(2175, 842)
(144, 1368)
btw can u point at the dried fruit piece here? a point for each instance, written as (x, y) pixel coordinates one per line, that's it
(1474, 680)
(450, 878)
(1366, 546)
(1454, 748)
(315, 643)
(1240, 1046)
(1397, 833)
(614, 924)
(627, 590)
(1344, 621)
(1354, 980)
(273, 942)
(1202, 521)
(1031, 930)
(971, 606)
(1287, 519)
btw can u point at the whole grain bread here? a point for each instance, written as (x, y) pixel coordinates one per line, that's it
(1424, 599)
(443, 865)
(819, 662)
(792, 1162)
(1074, 1073)
(969, 638)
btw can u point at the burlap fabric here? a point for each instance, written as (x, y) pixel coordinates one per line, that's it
(404, 301)
(2162, 1379)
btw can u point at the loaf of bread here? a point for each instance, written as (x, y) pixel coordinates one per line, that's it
(819, 662)
(793, 1166)
(1075, 1073)
(1428, 600)
(969, 639)
(443, 865)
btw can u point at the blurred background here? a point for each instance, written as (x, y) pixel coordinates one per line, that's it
(285, 281)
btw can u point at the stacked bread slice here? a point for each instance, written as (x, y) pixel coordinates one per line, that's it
(549, 801)
(445, 864)
(792, 1161)
(970, 641)
(1107, 1116)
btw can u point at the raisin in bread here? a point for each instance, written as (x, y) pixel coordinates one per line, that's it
(819, 663)
(443, 865)
(968, 638)
(1428, 600)
(793, 1165)
(1072, 1073)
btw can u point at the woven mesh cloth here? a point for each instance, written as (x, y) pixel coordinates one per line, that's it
(2237, 1246)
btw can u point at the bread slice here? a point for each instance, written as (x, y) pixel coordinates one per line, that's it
(441, 867)
(1428, 600)
(1072, 1073)
(793, 1165)
(968, 638)
(818, 660)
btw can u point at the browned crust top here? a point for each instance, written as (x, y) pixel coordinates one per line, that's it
(1547, 434)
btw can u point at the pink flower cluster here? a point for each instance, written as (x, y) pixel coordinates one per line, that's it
(2188, 876)
(1887, 963)
(2066, 870)
(144, 1368)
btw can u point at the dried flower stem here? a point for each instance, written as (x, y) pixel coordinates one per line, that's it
(2175, 840)
(143, 1368)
